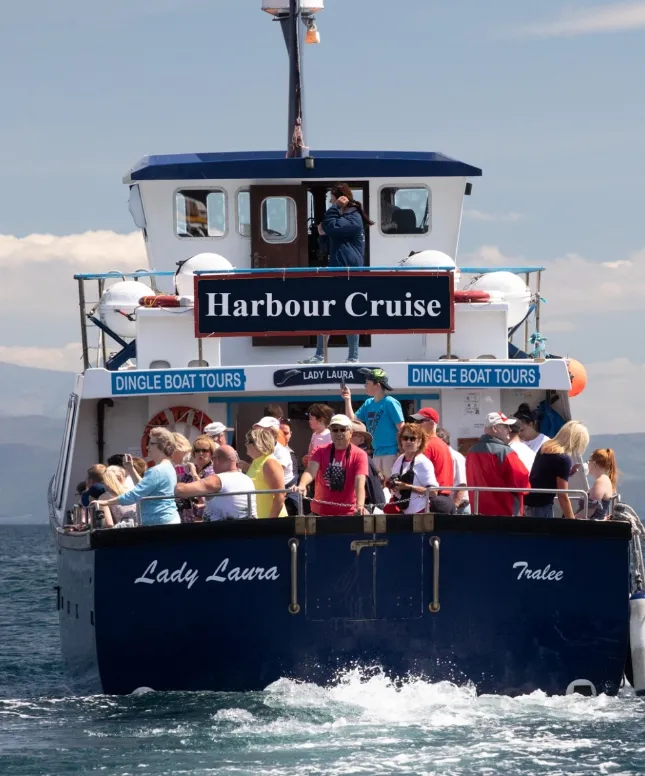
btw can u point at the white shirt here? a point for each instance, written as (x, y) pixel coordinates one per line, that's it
(424, 476)
(458, 468)
(525, 454)
(536, 444)
(232, 507)
(283, 456)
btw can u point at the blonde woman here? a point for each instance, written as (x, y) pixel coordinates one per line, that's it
(114, 480)
(552, 468)
(266, 472)
(160, 480)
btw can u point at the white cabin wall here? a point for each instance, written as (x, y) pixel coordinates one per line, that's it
(165, 249)
(464, 410)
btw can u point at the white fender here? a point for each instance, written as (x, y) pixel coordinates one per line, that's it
(637, 639)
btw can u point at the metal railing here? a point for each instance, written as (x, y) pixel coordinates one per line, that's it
(518, 491)
(81, 518)
(101, 346)
(248, 494)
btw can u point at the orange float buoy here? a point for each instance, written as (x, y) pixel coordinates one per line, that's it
(578, 375)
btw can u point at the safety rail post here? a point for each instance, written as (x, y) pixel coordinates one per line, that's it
(81, 307)
(101, 285)
(527, 279)
(537, 301)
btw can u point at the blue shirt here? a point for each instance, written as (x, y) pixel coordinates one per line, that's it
(160, 480)
(381, 419)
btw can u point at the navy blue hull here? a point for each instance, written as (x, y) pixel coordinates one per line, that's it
(524, 604)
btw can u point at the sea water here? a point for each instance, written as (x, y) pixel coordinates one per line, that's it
(363, 725)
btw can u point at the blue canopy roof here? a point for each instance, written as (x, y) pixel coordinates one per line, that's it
(341, 165)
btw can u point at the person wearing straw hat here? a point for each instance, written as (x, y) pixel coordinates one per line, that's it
(361, 437)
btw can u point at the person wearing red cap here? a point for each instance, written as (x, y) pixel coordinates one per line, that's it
(436, 450)
(492, 463)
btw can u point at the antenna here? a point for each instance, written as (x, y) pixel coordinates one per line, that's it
(296, 17)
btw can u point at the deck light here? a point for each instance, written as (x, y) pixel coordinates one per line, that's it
(309, 162)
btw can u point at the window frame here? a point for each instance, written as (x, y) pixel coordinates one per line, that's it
(242, 190)
(394, 185)
(295, 221)
(209, 189)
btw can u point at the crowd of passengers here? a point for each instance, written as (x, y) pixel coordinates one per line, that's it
(373, 460)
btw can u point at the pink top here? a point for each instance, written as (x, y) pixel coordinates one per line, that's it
(319, 439)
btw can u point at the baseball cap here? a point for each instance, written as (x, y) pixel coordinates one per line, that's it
(215, 429)
(379, 376)
(498, 419)
(341, 420)
(427, 413)
(268, 422)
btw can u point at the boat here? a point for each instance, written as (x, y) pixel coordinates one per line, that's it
(213, 330)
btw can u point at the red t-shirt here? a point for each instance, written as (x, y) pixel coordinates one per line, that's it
(439, 453)
(354, 465)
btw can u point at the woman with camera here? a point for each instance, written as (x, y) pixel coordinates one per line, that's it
(412, 473)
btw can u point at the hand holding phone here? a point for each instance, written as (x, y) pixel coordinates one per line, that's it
(127, 459)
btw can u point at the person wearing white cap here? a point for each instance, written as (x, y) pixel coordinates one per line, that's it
(217, 431)
(281, 454)
(339, 470)
(492, 463)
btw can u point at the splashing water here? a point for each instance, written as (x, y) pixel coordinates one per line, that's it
(364, 724)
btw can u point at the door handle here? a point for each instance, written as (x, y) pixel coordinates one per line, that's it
(360, 544)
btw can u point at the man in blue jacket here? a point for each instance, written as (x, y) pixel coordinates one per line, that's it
(342, 233)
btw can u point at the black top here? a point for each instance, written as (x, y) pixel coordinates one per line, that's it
(547, 467)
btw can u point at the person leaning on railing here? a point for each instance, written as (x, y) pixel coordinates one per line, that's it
(160, 480)
(552, 469)
(266, 472)
(339, 471)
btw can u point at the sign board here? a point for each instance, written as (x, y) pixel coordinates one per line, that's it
(330, 302)
(155, 381)
(473, 375)
(320, 374)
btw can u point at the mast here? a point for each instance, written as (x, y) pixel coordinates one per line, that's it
(295, 19)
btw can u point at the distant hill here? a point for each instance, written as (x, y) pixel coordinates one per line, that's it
(27, 391)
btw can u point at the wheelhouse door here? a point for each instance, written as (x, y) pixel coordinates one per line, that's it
(279, 236)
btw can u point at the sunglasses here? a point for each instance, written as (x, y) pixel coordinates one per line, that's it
(408, 439)
(198, 450)
(338, 429)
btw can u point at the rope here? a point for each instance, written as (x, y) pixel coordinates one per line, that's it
(626, 514)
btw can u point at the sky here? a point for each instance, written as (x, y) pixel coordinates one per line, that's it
(547, 99)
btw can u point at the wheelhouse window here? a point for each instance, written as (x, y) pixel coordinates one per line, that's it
(244, 213)
(201, 213)
(279, 220)
(405, 210)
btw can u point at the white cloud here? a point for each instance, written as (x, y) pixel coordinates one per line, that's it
(65, 359)
(574, 284)
(38, 270)
(87, 252)
(615, 17)
(493, 218)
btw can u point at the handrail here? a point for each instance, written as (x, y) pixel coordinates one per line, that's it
(554, 491)
(312, 270)
(247, 493)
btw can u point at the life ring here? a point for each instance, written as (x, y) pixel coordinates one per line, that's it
(472, 295)
(170, 417)
(160, 300)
